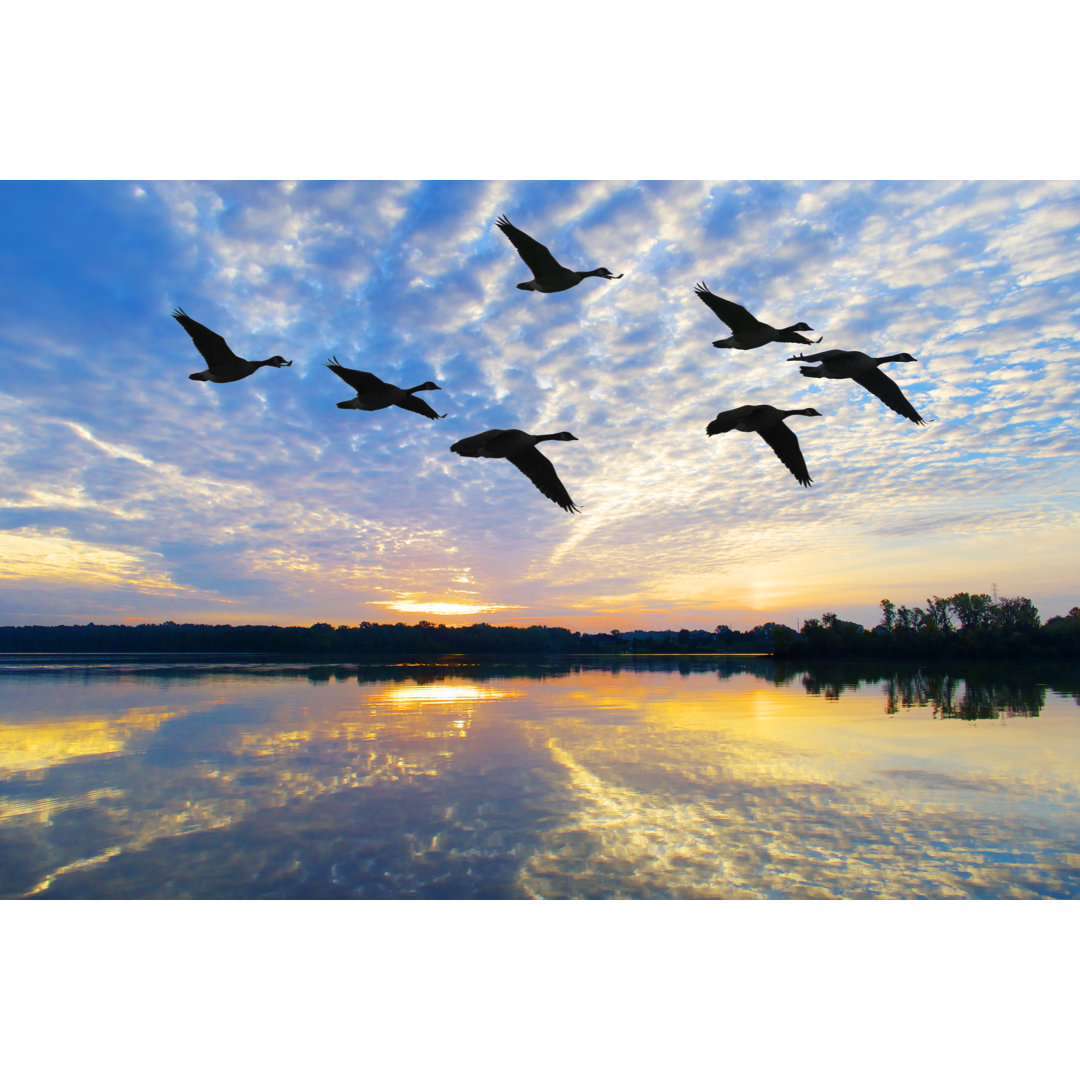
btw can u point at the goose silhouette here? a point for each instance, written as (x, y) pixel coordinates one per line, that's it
(372, 393)
(223, 365)
(768, 422)
(865, 370)
(519, 448)
(746, 331)
(548, 275)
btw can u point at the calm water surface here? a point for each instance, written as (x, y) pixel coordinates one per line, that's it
(706, 777)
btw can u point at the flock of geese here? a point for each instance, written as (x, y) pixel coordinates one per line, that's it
(519, 447)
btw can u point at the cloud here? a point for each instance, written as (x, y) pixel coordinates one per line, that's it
(54, 557)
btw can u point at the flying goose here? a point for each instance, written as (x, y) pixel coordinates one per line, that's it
(549, 276)
(769, 424)
(840, 364)
(519, 448)
(223, 365)
(372, 393)
(746, 331)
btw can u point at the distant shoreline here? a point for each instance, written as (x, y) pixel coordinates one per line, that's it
(424, 638)
(961, 627)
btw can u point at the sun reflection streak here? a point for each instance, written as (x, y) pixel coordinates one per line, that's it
(410, 697)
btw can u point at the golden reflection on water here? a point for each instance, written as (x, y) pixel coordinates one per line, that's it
(299, 750)
(632, 784)
(408, 698)
(43, 742)
(766, 794)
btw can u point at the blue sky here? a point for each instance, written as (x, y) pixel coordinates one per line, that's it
(131, 492)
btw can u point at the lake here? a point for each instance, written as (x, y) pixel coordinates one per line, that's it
(667, 777)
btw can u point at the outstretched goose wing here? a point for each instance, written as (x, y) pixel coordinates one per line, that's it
(735, 315)
(880, 385)
(542, 473)
(537, 257)
(785, 444)
(419, 405)
(828, 354)
(361, 381)
(213, 347)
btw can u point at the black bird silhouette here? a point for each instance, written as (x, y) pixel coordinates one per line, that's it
(372, 393)
(863, 369)
(747, 332)
(223, 365)
(549, 276)
(519, 448)
(768, 422)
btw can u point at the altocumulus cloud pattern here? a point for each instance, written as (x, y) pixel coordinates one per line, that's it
(128, 491)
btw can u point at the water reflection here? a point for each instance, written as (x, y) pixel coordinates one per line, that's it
(965, 699)
(48, 741)
(412, 697)
(972, 694)
(681, 777)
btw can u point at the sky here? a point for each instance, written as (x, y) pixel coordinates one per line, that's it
(129, 492)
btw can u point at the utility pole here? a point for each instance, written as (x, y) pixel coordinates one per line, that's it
(994, 587)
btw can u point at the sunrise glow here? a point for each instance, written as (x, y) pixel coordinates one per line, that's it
(426, 607)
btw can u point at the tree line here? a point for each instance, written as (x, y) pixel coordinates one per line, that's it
(964, 625)
(367, 638)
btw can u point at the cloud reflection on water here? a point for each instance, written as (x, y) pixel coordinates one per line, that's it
(637, 783)
(227, 757)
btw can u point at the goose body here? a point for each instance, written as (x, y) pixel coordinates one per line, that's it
(768, 422)
(373, 394)
(223, 365)
(865, 370)
(746, 331)
(548, 275)
(519, 448)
